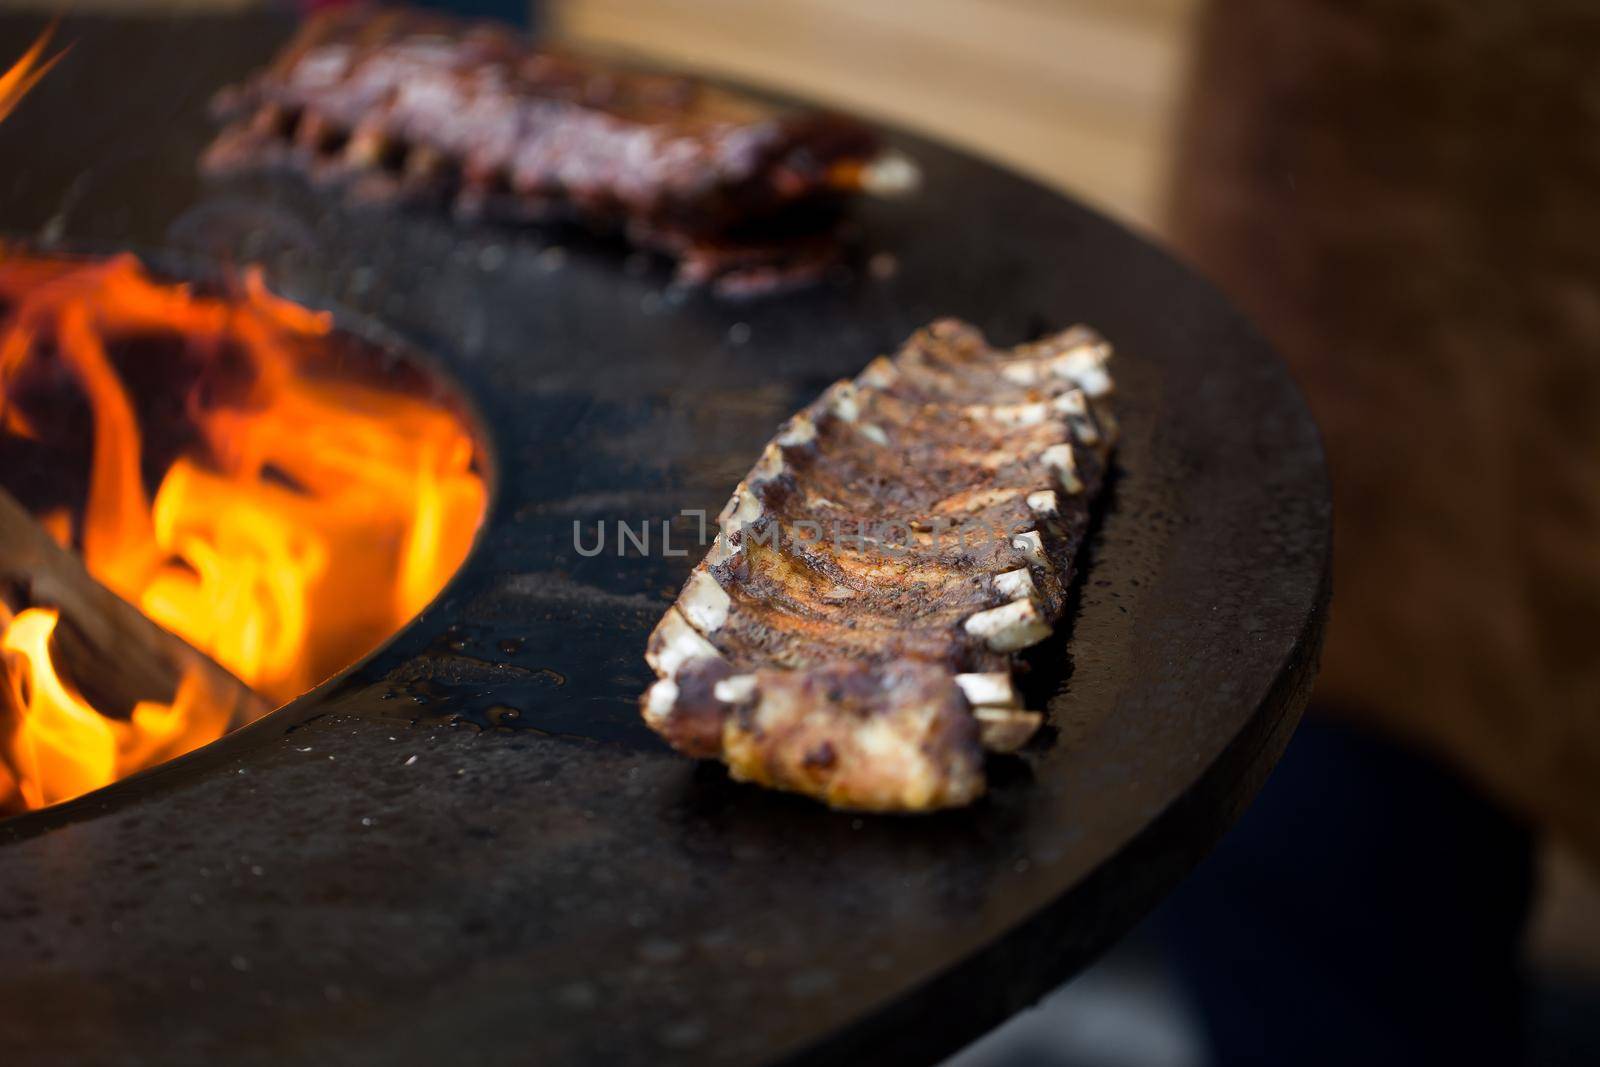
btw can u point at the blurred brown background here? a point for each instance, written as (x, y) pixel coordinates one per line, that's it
(1079, 93)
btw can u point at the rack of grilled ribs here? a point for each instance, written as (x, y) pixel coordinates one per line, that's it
(853, 632)
(402, 105)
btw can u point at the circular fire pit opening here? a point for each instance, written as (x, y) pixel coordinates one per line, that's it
(279, 492)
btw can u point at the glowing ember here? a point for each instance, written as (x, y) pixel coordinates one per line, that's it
(305, 517)
(25, 73)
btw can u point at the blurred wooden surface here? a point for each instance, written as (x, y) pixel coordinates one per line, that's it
(1078, 93)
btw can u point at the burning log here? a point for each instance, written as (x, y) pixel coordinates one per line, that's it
(115, 657)
(320, 500)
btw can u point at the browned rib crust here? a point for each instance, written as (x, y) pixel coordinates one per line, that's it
(839, 639)
(405, 104)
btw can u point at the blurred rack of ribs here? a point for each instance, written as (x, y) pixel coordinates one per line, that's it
(403, 106)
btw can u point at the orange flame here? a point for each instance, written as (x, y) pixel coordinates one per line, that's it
(26, 72)
(61, 746)
(314, 515)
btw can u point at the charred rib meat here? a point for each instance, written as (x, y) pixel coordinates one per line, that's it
(400, 104)
(852, 632)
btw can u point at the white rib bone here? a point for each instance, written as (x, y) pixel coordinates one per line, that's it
(1043, 502)
(742, 508)
(676, 643)
(1015, 584)
(799, 430)
(1023, 372)
(1072, 402)
(1059, 458)
(1010, 415)
(991, 689)
(722, 550)
(1087, 367)
(1082, 364)
(769, 466)
(659, 702)
(880, 374)
(704, 602)
(1084, 430)
(842, 401)
(1073, 406)
(1006, 729)
(737, 689)
(1010, 627)
(1030, 544)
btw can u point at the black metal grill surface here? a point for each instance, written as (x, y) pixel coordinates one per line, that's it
(468, 846)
